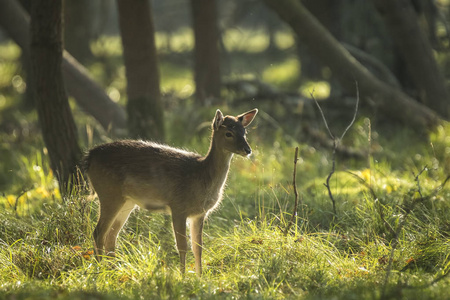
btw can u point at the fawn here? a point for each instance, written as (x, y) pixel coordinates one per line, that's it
(158, 177)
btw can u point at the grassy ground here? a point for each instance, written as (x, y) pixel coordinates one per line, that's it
(390, 238)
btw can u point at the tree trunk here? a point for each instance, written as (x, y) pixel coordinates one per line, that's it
(88, 94)
(415, 48)
(206, 52)
(145, 109)
(77, 29)
(394, 103)
(57, 125)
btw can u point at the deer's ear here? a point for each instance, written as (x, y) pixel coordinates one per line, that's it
(247, 117)
(218, 120)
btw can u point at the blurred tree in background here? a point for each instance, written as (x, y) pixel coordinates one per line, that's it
(348, 70)
(206, 51)
(144, 107)
(415, 48)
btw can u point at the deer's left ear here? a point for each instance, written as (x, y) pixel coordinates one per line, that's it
(218, 120)
(247, 117)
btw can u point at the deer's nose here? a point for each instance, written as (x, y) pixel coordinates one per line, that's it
(248, 150)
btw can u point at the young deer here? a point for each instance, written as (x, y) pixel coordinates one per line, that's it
(157, 177)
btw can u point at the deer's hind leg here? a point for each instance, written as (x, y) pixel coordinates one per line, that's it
(119, 221)
(111, 204)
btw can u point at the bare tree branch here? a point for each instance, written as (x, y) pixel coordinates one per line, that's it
(354, 115)
(336, 143)
(323, 116)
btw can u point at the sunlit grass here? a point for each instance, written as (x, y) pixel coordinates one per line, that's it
(284, 40)
(285, 74)
(245, 251)
(176, 79)
(319, 89)
(245, 40)
(7, 70)
(255, 41)
(254, 258)
(180, 41)
(107, 46)
(9, 51)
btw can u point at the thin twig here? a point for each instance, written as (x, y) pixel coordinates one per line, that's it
(294, 184)
(375, 199)
(327, 182)
(354, 115)
(366, 184)
(443, 184)
(23, 192)
(407, 209)
(419, 190)
(446, 273)
(323, 116)
(336, 142)
(391, 256)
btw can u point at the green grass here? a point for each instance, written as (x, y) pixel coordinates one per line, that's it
(46, 244)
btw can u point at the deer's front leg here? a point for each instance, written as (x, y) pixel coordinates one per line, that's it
(179, 229)
(197, 241)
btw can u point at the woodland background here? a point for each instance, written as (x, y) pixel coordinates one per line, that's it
(74, 74)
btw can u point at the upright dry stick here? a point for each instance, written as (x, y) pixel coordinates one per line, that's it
(294, 184)
(336, 142)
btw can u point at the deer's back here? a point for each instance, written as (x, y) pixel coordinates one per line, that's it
(153, 175)
(140, 159)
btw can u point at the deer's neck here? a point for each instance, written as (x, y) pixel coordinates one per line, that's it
(217, 161)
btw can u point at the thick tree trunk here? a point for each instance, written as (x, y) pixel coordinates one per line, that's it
(145, 109)
(206, 52)
(88, 94)
(55, 117)
(415, 48)
(394, 103)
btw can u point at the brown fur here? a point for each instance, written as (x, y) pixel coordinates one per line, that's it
(158, 177)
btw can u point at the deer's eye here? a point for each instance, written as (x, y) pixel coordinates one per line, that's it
(228, 134)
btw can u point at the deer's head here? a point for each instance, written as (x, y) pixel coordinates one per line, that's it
(230, 134)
